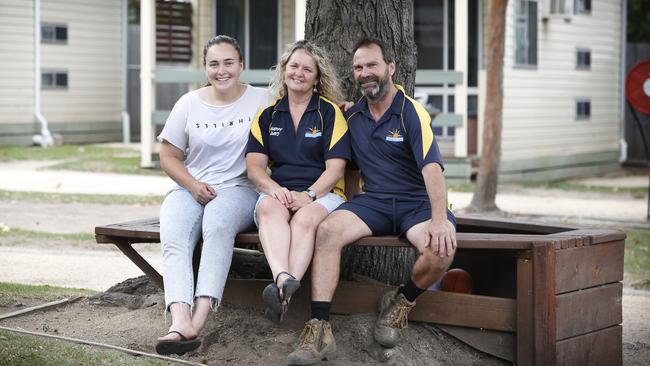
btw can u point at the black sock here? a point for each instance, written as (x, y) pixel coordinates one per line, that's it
(320, 310)
(411, 291)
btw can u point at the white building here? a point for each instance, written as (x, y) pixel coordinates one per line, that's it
(81, 94)
(562, 110)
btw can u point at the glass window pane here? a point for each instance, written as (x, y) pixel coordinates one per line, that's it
(61, 79)
(47, 33)
(521, 30)
(61, 33)
(472, 106)
(231, 20)
(472, 40)
(452, 38)
(428, 31)
(263, 25)
(531, 33)
(436, 102)
(47, 80)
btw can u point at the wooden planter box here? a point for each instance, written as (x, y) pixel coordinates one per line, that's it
(543, 295)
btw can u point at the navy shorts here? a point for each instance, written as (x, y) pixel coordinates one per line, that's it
(390, 216)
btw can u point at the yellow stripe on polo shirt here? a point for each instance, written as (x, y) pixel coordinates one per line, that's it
(425, 125)
(256, 131)
(340, 125)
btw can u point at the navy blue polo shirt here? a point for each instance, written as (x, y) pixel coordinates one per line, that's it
(391, 152)
(297, 157)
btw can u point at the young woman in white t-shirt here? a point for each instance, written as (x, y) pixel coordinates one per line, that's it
(202, 150)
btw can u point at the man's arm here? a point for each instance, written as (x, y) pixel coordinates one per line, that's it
(441, 234)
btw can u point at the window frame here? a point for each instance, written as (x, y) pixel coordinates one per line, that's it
(446, 91)
(583, 50)
(530, 28)
(54, 26)
(55, 79)
(245, 42)
(585, 102)
(579, 11)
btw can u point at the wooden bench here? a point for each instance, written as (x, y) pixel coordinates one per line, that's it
(544, 295)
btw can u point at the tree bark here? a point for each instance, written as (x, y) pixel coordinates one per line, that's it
(336, 25)
(488, 173)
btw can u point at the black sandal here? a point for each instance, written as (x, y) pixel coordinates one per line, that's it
(178, 347)
(278, 304)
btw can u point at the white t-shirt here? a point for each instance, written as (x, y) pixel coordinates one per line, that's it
(214, 137)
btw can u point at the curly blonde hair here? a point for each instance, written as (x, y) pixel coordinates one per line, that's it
(328, 83)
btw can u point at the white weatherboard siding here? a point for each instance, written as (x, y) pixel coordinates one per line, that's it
(16, 61)
(539, 102)
(92, 56)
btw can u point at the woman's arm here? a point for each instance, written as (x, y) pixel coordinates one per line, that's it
(256, 167)
(334, 170)
(171, 162)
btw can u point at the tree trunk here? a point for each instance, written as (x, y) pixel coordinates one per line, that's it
(488, 173)
(336, 25)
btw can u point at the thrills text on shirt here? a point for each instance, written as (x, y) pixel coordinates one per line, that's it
(232, 123)
(275, 131)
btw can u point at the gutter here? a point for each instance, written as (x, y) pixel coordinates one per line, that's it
(45, 138)
(126, 118)
(623, 102)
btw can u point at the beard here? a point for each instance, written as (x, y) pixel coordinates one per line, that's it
(378, 90)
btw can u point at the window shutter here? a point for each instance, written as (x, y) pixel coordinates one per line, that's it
(173, 31)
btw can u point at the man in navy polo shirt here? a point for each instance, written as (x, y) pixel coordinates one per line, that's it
(404, 194)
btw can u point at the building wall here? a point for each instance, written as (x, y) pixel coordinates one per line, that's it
(90, 108)
(16, 62)
(539, 125)
(92, 56)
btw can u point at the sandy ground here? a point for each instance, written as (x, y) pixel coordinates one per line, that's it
(84, 264)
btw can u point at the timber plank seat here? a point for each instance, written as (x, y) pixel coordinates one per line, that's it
(543, 294)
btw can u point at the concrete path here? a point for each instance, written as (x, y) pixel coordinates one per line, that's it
(30, 176)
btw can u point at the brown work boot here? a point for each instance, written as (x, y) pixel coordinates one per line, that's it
(393, 317)
(316, 343)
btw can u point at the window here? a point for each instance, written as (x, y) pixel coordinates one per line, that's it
(54, 33)
(255, 25)
(582, 6)
(525, 32)
(173, 31)
(583, 59)
(54, 80)
(583, 109)
(435, 39)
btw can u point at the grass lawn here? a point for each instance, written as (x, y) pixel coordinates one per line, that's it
(89, 158)
(11, 291)
(106, 199)
(572, 186)
(637, 259)
(18, 233)
(23, 350)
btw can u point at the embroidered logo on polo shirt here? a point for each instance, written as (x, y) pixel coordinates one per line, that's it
(275, 131)
(394, 136)
(313, 133)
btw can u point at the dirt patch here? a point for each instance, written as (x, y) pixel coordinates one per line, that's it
(237, 335)
(242, 336)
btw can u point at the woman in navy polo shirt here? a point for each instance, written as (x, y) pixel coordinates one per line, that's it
(303, 138)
